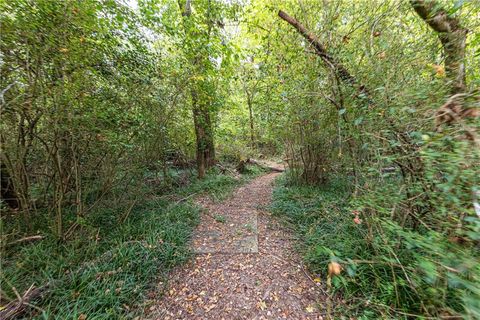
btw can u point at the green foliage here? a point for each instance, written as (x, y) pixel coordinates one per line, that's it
(389, 270)
(220, 218)
(414, 251)
(115, 256)
(106, 106)
(219, 186)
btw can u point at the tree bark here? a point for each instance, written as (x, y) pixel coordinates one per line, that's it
(320, 49)
(452, 36)
(205, 149)
(250, 115)
(210, 147)
(200, 135)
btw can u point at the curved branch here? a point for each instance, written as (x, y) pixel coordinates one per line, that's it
(453, 37)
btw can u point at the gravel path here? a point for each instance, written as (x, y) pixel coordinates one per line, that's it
(245, 267)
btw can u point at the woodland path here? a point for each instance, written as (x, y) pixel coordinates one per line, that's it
(244, 266)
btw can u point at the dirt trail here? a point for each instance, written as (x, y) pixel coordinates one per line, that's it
(245, 267)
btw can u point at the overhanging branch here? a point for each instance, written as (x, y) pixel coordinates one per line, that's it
(321, 51)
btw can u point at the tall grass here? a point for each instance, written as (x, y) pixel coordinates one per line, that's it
(389, 271)
(115, 255)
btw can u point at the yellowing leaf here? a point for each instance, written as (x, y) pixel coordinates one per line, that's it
(439, 70)
(262, 305)
(334, 268)
(198, 78)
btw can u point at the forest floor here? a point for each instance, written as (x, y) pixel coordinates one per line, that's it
(244, 268)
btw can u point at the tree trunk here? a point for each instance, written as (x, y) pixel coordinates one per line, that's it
(204, 135)
(8, 193)
(210, 147)
(205, 151)
(319, 48)
(200, 135)
(453, 38)
(250, 115)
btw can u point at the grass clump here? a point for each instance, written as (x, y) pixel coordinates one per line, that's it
(115, 255)
(388, 270)
(106, 274)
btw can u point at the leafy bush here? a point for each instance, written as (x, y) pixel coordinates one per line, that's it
(390, 270)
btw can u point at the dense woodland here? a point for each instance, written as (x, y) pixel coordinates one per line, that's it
(114, 114)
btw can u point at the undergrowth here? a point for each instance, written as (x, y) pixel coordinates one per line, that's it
(104, 270)
(218, 185)
(388, 271)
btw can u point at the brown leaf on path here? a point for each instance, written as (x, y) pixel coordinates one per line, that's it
(253, 274)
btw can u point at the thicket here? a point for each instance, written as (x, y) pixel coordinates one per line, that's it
(109, 109)
(393, 176)
(99, 135)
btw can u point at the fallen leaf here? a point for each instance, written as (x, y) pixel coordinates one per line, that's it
(439, 70)
(262, 305)
(334, 268)
(357, 220)
(210, 307)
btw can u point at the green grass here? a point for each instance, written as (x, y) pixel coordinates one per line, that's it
(220, 218)
(388, 271)
(317, 214)
(107, 267)
(219, 186)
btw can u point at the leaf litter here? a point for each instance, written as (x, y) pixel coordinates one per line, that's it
(245, 267)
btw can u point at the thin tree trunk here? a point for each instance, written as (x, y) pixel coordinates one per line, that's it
(210, 146)
(320, 49)
(199, 134)
(250, 115)
(205, 151)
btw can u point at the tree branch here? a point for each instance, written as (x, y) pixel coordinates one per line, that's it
(453, 37)
(433, 15)
(320, 49)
